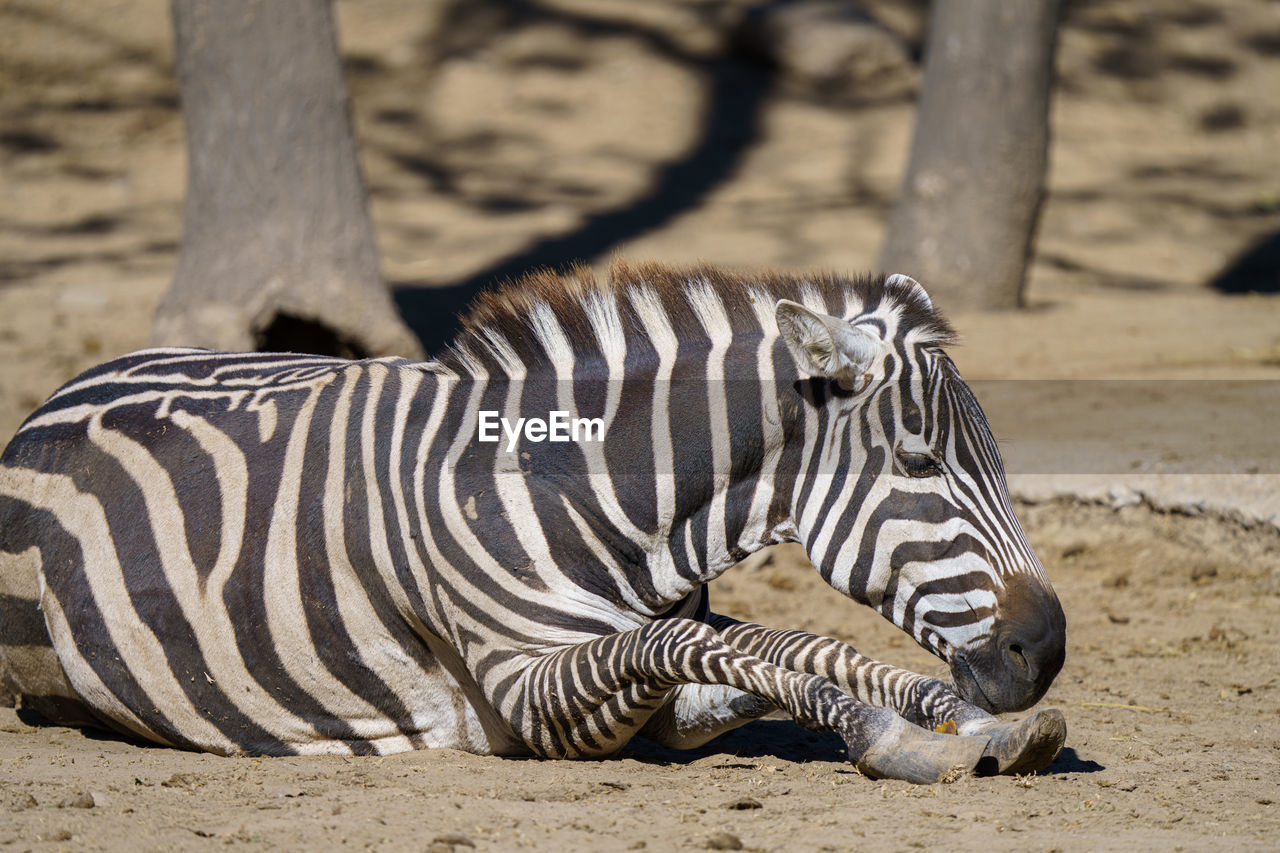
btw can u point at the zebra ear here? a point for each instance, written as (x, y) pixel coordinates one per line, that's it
(910, 283)
(826, 346)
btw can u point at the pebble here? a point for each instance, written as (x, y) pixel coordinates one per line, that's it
(182, 780)
(743, 804)
(724, 841)
(81, 800)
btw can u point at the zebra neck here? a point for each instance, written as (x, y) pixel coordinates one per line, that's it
(715, 495)
(685, 482)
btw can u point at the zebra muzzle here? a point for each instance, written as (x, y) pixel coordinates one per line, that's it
(1011, 669)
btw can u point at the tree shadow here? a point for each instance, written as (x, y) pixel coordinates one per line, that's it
(729, 126)
(1255, 270)
(27, 142)
(1137, 48)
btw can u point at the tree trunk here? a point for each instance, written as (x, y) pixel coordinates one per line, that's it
(277, 248)
(965, 218)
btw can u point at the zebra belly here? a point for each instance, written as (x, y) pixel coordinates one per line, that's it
(148, 645)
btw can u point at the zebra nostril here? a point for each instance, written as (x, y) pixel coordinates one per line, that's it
(1018, 660)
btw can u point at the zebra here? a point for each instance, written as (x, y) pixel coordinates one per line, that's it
(274, 553)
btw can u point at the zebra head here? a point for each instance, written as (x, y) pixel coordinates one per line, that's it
(902, 502)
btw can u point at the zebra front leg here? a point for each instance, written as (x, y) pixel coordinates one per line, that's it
(588, 700)
(1021, 746)
(696, 713)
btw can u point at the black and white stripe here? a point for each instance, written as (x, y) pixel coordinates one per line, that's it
(273, 553)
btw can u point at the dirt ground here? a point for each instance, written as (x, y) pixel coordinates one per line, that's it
(500, 140)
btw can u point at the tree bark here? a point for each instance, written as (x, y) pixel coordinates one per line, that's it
(965, 219)
(277, 248)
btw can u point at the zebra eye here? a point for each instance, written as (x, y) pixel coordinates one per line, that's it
(918, 464)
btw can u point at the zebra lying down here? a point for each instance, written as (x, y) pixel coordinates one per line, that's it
(286, 554)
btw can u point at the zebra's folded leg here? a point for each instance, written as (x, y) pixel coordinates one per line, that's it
(588, 700)
(697, 713)
(1019, 746)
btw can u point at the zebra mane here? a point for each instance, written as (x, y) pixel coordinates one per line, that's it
(510, 322)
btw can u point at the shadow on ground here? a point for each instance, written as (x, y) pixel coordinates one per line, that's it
(33, 718)
(1255, 270)
(787, 741)
(729, 126)
(763, 738)
(736, 91)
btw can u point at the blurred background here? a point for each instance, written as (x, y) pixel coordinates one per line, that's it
(495, 136)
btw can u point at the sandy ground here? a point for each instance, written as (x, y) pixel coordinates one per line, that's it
(497, 142)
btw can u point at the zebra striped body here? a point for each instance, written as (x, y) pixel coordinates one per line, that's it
(265, 553)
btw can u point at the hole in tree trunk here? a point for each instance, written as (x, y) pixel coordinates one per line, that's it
(289, 333)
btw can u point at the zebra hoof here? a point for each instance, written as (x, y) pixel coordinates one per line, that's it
(1027, 745)
(915, 755)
